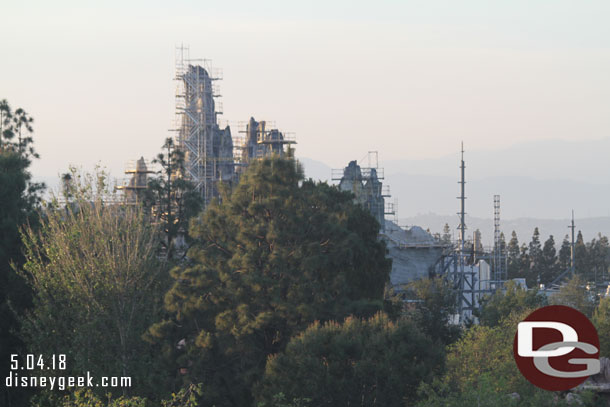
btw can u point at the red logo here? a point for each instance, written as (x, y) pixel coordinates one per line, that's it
(556, 348)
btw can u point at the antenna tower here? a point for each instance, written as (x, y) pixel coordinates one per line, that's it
(499, 259)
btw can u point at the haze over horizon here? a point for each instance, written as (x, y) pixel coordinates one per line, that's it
(538, 180)
(408, 79)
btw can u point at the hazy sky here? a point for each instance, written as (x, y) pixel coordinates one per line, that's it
(407, 78)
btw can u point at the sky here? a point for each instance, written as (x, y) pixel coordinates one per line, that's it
(410, 79)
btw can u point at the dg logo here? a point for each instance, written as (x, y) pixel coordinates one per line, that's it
(556, 348)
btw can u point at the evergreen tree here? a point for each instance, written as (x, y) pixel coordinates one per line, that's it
(278, 254)
(374, 362)
(173, 199)
(435, 306)
(19, 199)
(581, 256)
(513, 255)
(565, 254)
(533, 275)
(524, 266)
(599, 252)
(549, 265)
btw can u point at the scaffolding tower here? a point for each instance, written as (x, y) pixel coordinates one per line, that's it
(208, 150)
(499, 256)
(136, 185)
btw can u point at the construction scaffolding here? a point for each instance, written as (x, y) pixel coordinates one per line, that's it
(261, 139)
(365, 183)
(208, 149)
(499, 256)
(134, 188)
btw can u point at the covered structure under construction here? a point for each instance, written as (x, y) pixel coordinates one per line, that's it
(365, 183)
(414, 251)
(136, 185)
(261, 140)
(208, 149)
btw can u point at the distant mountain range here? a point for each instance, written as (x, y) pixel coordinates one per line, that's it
(539, 183)
(541, 179)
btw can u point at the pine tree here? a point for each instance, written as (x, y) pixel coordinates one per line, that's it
(19, 200)
(173, 199)
(565, 254)
(549, 265)
(581, 256)
(533, 275)
(513, 257)
(524, 265)
(274, 256)
(600, 257)
(372, 362)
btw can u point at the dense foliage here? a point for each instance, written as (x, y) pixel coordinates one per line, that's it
(601, 320)
(275, 256)
(433, 305)
(574, 293)
(172, 201)
(512, 298)
(358, 362)
(543, 263)
(19, 198)
(276, 304)
(97, 286)
(481, 371)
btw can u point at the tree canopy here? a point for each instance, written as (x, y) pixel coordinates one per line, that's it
(510, 299)
(96, 285)
(19, 199)
(173, 200)
(371, 362)
(434, 307)
(278, 254)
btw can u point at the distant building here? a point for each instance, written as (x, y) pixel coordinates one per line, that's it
(208, 149)
(135, 187)
(366, 186)
(262, 141)
(414, 252)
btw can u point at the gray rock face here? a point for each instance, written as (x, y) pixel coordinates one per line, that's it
(413, 252)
